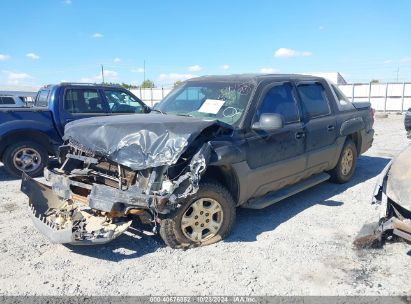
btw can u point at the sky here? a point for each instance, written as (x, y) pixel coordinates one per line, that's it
(48, 41)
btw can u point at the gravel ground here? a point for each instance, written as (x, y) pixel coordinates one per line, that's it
(300, 246)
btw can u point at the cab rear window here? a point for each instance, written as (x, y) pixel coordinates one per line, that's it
(42, 98)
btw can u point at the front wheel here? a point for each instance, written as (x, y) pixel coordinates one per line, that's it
(345, 168)
(206, 218)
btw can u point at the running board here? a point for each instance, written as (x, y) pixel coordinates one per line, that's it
(274, 197)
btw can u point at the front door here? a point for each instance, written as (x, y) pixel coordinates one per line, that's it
(81, 102)
(276, 158)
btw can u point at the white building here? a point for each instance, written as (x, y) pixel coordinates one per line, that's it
(334, 77)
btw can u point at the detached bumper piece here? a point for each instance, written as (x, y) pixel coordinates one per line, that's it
(68, 221)
(399, 221)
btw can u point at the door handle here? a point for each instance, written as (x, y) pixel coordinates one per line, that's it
(299, 135)
(330, 128)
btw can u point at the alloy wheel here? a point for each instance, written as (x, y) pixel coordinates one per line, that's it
(202, 220)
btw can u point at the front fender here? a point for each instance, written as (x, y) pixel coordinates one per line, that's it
(227, 154)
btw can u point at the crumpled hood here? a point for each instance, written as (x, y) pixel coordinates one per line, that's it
(399, 179)
(138, 141)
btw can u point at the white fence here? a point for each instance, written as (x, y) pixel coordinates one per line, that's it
(383, 96)
(151, 96)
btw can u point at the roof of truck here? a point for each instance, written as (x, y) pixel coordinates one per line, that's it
(67, 84)
(254, 77)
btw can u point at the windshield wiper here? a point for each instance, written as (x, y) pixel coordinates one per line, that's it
(183, 114)
(158, 111)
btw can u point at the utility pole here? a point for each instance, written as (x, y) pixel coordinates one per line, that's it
(144, 68)
(102, 72)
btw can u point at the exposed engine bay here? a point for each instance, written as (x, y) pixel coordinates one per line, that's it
(95, 193)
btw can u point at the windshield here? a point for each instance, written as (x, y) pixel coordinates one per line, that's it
(224, 101)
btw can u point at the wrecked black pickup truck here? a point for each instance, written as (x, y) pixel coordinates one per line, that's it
(215, 143)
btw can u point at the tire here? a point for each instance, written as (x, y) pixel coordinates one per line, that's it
(340, 174)
(175, 236)
(32, 151)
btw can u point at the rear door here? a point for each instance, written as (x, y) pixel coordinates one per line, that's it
(276, 158)
(81, 102)
(319, 124)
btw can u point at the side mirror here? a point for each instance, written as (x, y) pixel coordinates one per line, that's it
(269, 122)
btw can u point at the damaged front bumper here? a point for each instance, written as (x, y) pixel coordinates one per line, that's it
(67, 221)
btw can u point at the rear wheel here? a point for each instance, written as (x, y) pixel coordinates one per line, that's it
(205, 219)
(25, 156)
(346, 165)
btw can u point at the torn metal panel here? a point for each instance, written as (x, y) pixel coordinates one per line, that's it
(381, 184)
(198, 165)
(137, 141)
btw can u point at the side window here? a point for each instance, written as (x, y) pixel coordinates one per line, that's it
(41, 99)
(343, 100)
(314, 99)
(7, 100)
(280, 99)
(122, 102)
(82, 101)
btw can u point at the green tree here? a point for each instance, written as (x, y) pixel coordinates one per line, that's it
(128, 86)
(147, 84)
(124, 85)
(177, 83)
(375, 81)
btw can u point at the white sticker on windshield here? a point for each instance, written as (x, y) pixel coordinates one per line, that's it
(211, 106)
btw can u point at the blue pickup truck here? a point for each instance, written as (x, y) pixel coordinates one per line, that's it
(28, 136)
